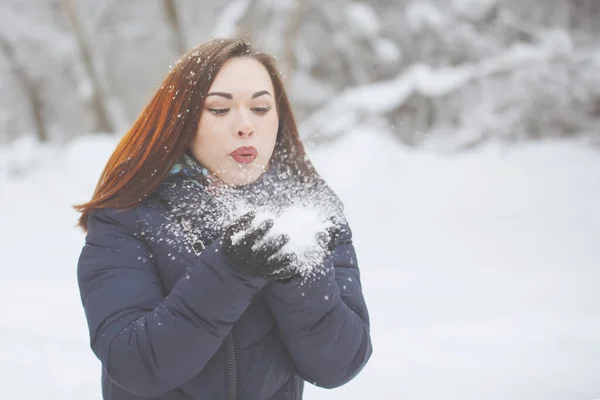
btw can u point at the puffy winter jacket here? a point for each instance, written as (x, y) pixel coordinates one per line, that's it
(173, 322)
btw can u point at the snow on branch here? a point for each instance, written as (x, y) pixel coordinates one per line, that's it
(380, 98)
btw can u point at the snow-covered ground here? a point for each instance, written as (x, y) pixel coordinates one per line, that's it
(481, 270)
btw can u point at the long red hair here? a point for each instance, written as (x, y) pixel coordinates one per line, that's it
(164, 130)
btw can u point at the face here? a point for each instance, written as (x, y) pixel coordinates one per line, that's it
(238, 125)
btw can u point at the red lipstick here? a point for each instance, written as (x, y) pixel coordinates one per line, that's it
(244, 155)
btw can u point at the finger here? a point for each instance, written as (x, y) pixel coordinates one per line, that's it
(255, 234)
(281, 260)
(333, 230)
(246, 219)
(273, 244)
(284, 274)
(323, 239)
(270, 246)
(242, 223)
(239, 225)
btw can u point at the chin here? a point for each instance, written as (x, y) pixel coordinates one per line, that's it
(240, 175)
(241, 182)
(242, 179)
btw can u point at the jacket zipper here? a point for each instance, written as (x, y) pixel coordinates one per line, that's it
(231, 368)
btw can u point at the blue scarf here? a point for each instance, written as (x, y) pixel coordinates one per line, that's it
(188, 166)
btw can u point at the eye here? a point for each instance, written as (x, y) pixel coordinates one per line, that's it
(261, 110)
(218, 111)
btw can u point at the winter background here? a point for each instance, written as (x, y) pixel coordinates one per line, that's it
(462, 135)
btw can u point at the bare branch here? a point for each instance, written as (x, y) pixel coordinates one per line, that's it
(99, 96)
(29, 88)
(172, 15)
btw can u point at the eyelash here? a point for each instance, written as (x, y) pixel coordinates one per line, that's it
(222, 111)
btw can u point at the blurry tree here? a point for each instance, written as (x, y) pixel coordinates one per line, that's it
(99, 95)
(451, 71)
(472, 70)
(172, 17)
(274, 26)
(30, 88)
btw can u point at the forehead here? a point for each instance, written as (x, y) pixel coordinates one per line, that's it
(242, 75)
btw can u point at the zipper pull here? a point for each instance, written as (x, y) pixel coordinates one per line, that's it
(198, 247)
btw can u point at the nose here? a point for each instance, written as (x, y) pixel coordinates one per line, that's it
(245, 127)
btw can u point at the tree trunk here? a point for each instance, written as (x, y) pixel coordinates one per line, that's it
(99, 95)
(32, 92)
(291, 36)
(172, 15)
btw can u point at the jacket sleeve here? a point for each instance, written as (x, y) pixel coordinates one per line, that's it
(324, 323)
(150, 342)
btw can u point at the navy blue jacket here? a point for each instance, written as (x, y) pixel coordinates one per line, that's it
(168, 321)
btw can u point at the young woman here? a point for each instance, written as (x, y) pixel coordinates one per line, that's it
(187, 289)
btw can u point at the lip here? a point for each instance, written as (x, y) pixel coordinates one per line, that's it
(244, 155)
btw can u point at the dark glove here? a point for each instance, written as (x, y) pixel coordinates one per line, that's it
(329, 239)
(244, 254)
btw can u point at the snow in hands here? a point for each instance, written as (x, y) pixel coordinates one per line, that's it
(302, 224)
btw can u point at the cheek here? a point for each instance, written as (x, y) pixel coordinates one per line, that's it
(209, 133)
(272, 124)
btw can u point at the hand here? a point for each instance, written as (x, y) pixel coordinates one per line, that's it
(329, 239)
(250, 251)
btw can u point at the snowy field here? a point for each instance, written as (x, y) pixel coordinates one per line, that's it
(481, 270)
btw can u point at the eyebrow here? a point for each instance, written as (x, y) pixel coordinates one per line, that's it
(261, 93)
(230, 96)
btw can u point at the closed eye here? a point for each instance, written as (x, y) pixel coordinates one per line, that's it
(261, 110)
(223, 111)
(218, 111)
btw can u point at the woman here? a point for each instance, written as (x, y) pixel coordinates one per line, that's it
(183, 303)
